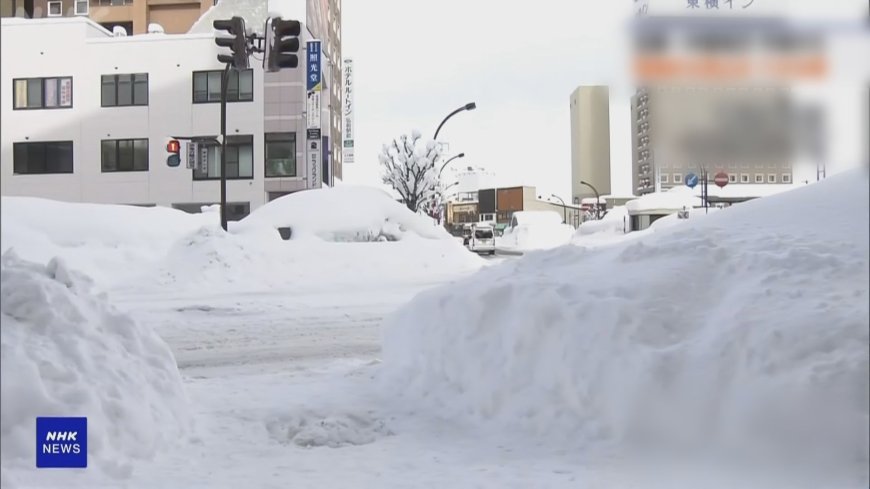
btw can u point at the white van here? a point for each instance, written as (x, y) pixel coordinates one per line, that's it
(482, 239)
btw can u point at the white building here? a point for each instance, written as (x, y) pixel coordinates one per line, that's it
(91, 113)
(468, 180)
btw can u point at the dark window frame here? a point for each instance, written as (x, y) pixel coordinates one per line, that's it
(266, 141)
(118, 155)
(133, 83)
(18, 144)
(42, 92)
(237, 74)
(230, 144)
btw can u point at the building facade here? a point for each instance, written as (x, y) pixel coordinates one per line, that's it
(590, 141)
(742, 131)
(502, 203)
(174, 16)
(90, 115)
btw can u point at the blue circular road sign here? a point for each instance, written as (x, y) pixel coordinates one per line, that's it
(691, 180)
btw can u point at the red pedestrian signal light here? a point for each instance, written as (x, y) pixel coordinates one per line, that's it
(173, 152)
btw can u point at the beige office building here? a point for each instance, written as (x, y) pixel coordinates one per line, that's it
(590, 141)
(678, 130)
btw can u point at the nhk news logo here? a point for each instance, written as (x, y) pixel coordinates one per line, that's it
(61, 442)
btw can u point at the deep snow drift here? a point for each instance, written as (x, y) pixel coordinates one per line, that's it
(348, 235)
(742, 333)
(110, 243)
(535, 230)
(345, 213)
(66, 352)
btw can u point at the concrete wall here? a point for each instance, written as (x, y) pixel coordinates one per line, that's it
(78, 48)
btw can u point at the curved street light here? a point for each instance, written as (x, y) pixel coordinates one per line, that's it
(468, 106)
(564, 208)
(597, 199)
(460, 155)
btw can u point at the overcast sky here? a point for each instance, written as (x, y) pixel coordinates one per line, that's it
(416, 60)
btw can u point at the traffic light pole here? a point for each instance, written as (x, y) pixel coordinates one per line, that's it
(224, 82)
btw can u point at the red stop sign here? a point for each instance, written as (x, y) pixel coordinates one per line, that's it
(721, 179)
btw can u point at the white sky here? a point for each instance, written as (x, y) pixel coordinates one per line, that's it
(416, 60)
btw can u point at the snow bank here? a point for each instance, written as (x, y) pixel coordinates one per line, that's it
(745, 332)
(107, 242)
(258, 259)
(663, 201)
(345, 213)
(66, 352)
(535, 230)
(125, 246)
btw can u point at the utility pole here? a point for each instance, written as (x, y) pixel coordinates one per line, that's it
(279, 44)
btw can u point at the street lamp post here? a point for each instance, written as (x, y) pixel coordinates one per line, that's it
(460, 155)
(468, 106)
(564, 208)
(597, 199)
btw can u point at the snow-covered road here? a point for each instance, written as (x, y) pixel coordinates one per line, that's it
(282, 391)
(283, 396)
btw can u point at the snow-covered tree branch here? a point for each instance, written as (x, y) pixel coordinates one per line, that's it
(411, 168)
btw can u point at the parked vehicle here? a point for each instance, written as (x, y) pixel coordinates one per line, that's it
(482, 239)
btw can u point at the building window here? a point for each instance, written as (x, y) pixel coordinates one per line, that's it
(55, 9)
(81, 7)
(42, 157)
(771, 178)
(124, 90)
(112, 3)
(124, 155)
(744, 178)
(759, 178)
(207, 86)
(678, 178)
(240, 160)
(281, 154)
(786, 178)
(663, 177)
(42, 93)
(732, 178)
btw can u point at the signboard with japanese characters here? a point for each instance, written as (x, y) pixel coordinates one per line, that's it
(191, 155)
(314, 86)
(347, 113)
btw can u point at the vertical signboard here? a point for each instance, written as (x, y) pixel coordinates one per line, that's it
(347, 113)
(191, 155)
(314, 85)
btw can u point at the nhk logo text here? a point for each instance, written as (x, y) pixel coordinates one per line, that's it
(61, 442)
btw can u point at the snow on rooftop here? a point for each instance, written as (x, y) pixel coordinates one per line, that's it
(662, 201)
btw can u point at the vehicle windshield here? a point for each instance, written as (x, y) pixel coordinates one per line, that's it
(483, 234)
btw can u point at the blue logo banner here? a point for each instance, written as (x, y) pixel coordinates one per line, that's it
(314, 75)
(61, 442)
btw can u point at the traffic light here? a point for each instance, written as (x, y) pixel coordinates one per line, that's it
(238, 43)
(173, 152)
(282, 44)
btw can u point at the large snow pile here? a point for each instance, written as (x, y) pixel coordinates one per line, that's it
(125, 246)
(345, 213)
(66, 352)
(673, 200)
(535, 230)
(107, 242)
(257, 258)
(745, 332)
